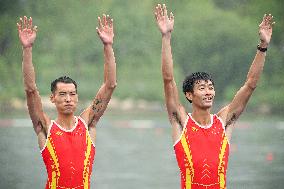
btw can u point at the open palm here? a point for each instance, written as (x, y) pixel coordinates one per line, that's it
(27, 32)
(165, 23)
(105, 29)
(265, 28)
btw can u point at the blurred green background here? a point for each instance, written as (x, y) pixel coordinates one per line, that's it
(216, 36)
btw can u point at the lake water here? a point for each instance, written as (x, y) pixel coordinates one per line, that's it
(133, 153)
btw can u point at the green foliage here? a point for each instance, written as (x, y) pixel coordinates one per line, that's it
(216, 36)
(211, 42)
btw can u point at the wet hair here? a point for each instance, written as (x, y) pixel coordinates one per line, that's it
(63, 79)
(190, 80)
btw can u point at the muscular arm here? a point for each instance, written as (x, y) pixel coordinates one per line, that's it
(231, 112)
(27, 36)
(176, 112)
(93, 113)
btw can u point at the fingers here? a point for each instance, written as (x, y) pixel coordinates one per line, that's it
(267, 21)
(106, 21)
(109, 21)
(20, 24)
(161, 11)
(19, 27)
(100, 23)
(35, 28)
(165, 10)
(171, 16)
(158, 12)
(30, 23)
(25, 23)
(98, 31)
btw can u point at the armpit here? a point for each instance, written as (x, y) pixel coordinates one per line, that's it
(177, 118)
(40, 128)
(232, 119)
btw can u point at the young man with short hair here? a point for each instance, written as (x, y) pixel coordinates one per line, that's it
(67, 143)
(201, 139)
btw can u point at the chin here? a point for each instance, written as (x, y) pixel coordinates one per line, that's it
(208, 105)
(68, 112)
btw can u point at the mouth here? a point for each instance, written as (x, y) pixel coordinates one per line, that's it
(208, 99)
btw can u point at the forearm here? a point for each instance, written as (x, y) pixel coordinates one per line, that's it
(256, 69)
(109, 66)
(167, 60)
(28, 70)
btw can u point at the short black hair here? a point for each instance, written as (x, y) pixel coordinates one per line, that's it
(62, 79)
(190, 80)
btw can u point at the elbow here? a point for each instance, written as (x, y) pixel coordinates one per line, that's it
(251, 84)
(31, 90)
(168, 78)
(112, 85)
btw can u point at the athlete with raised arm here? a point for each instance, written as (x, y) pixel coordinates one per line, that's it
(67, 143)
(201, 139)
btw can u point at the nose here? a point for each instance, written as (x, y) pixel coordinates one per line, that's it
(209, 91)
(68, 98)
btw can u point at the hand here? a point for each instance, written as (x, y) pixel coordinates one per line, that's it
(265, 30)
(27, 33)
(165, 24)
(105, 29)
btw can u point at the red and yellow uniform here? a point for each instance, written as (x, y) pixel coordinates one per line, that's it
(68, 156)
(202, 155)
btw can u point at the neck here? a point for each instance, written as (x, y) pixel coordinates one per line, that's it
(66, 121)
(201, 116)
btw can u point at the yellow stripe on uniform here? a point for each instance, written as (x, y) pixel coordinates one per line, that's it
(221, 169)
(55, 172)
(189, 172)
(86, 162)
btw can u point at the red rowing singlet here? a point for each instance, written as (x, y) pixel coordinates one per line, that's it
(68, 156)
(202, 155)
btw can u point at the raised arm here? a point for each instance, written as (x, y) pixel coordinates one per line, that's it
(93, 113)
(231, 112)
(27, 35)
(176, 112)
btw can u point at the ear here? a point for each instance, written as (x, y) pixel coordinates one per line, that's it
(51, 97)
(188, 95)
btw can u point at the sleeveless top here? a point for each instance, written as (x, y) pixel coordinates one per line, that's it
(202, 155)
(68, 156)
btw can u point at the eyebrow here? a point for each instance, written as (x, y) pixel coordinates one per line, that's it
(66, 92)
(204, 84)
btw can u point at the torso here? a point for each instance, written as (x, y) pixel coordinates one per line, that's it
(202, 155)
(68, 156)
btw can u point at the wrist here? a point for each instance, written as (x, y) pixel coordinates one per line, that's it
(27, 46)
(263, 44)
(108, 44)
(261, 49)
(167, 35)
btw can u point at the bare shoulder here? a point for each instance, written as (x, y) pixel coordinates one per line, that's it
(85, 115)
(223, 113)
(228, 117)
